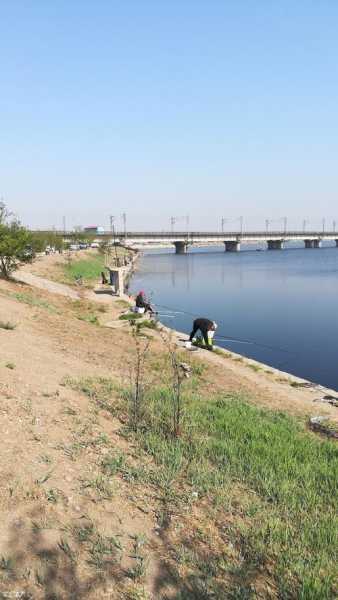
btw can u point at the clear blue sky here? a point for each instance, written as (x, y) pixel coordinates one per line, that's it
(158, 108)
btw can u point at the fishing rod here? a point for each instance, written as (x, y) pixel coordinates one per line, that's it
(227, 338)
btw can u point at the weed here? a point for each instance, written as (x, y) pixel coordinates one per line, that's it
(104, 551)
(6, 564)
(148, 324)
(198, 368)
(294, 384)
(64, 546)
(40, 525)
(140, 568)
(130, 317)
(33, 301)
(101, 485)
(10, 365)
(99, 389)
(44, 458)
(90, 318)
(51, 496)
(69, 411)
(44, 478)
(254, 367)
(83, 533)
(118, 464)
(113, 464)
(219, 351)
(7, 325)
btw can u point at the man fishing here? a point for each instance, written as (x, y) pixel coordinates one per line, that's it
(142, 303)
(207, 329)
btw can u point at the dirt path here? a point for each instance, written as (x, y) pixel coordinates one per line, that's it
(46, 284)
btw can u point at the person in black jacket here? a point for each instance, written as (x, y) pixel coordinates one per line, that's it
(206, 327)
(141, 302)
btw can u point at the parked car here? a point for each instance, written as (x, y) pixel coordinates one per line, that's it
(83, 246)
(95, 245)
(74, 247)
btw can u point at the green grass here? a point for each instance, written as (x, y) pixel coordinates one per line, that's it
(88, 268)
(147, 324)
(89, 318)
(272, 482)
(130, 316)
(31, 300)
(288, 476)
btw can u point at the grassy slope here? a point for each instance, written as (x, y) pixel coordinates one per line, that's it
(245, 499)
(272, 481)
(88, 268)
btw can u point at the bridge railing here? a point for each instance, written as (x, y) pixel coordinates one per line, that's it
(181, 235)
(225, 234)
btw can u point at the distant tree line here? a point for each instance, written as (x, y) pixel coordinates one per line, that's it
(19, 245)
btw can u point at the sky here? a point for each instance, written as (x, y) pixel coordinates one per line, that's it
(160, 109)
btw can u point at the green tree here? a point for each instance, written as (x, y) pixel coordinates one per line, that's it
(15, 242)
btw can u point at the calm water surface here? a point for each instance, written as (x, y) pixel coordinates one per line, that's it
(284, 299)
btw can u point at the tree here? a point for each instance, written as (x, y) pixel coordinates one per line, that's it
(14, 242)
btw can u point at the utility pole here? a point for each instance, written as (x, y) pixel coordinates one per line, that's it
(124, 219)
(241, 224)
(223, 222)
(334, 226)
(112, 219)
(187, 223)
(285, 224)
(64, 224)
(172, 221)
(267, 225)
(304, 225)
(323, 225)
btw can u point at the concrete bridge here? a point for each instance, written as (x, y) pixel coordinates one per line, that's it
(232, 241)
(275, 240)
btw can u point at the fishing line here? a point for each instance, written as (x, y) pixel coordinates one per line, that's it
(227, 338)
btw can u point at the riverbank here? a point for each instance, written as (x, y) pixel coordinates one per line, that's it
(229, 508)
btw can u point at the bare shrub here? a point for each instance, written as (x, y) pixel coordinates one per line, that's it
(137, 373)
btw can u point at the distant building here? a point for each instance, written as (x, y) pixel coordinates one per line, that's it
(94, 229)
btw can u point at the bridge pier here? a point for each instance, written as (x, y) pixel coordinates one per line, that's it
(275, 244)
(181, 247)
(309, 243)
(317, 243)
(233, 246)
(337, 243)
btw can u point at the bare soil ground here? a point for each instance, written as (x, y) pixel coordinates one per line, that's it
(67, 530)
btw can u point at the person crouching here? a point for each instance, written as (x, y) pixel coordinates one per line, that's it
(207, 329)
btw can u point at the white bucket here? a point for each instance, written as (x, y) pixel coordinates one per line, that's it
(188, 345)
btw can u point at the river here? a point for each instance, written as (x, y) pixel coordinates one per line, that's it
(283, 302)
